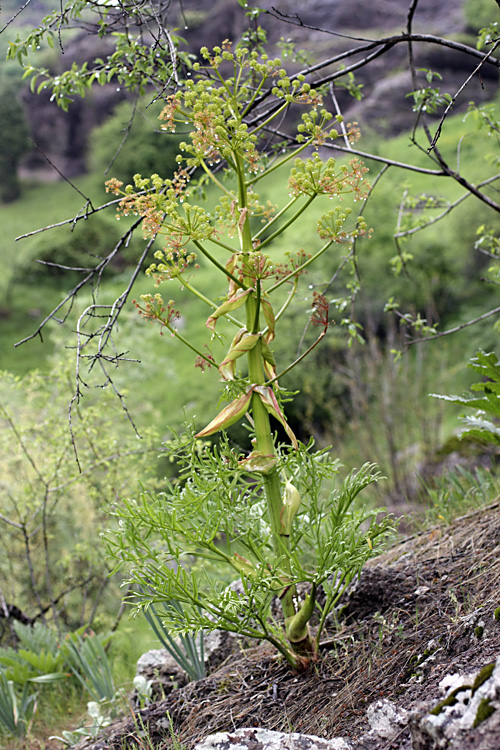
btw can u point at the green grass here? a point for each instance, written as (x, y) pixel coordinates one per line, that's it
(132, 639)
(39, 206)
(19, 317)
(25, 299)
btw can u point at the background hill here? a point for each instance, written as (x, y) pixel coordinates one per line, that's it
(64, 137)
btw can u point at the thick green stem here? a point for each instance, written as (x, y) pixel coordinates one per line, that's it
(297, 628)
(216, 263)
(265, 444)
(272, 486)
(262, 424)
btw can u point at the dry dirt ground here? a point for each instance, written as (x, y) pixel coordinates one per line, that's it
(421, 611)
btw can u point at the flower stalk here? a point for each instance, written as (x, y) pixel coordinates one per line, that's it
(267, 521)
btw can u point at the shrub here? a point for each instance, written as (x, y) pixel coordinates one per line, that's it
(51, 513)
(130, 141)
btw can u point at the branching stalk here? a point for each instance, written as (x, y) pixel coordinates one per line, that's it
(218, 265)
(301, 268)
(289, 222)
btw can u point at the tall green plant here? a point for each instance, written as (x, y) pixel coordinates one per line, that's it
(90, 665)
(187, 652)
(271, 513)
(39, 661)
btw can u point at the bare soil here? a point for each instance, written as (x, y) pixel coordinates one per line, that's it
(421, 611)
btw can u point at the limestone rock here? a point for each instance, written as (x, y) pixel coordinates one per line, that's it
(386, 718)
(264, 739)
(470, 702)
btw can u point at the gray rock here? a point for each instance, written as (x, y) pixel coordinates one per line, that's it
(166, 674)
(161, 668)
(218, 645)
(386, 719)
(469, 713)
(264, 739)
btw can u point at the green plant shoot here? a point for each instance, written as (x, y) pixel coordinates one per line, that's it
(271, 513)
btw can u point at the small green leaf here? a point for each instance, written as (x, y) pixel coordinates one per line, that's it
(47, 678)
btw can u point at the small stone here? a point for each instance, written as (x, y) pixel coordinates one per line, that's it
(385, 718)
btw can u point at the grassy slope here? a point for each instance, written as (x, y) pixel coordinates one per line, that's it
(164, 369)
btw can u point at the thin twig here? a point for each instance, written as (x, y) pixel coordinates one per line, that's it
(457, 94)
(74, 220)
(345, 136)
(440, 334)
(449, 208)
(13, 18)
(34, 587)
(66, 179)
(95, 272)
(371, 157)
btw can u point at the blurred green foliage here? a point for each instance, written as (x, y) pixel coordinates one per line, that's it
(130, 141)
(14, 130)
(480, 13)
(52, 510)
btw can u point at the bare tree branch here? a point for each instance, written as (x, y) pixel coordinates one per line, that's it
(79, 216)
(88, 202)
(457, 94)
(94, 274)
(448, 210)
(455, 329)
(13, 18)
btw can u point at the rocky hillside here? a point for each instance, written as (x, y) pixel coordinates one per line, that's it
(413, 665)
